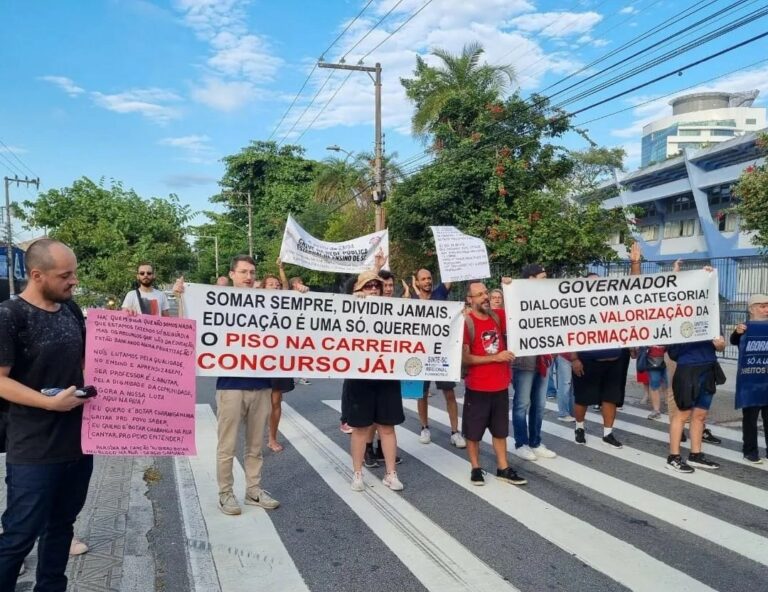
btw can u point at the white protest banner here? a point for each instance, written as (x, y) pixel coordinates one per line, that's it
(554, 316)
(253, 332)
(461, 257)
(353, 256)
(143, 369)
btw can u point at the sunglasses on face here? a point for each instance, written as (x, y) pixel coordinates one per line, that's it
(146, 273)
(371, 286)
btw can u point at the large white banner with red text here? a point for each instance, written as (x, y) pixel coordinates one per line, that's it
(254, 332)
(563, 315)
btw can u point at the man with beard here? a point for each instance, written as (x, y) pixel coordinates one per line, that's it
(422, 289)
(146, 299)
(42, 346)
(486, 398)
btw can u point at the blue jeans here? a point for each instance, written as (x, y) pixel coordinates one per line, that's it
(528, 404)
(564, 386)
(43, 502)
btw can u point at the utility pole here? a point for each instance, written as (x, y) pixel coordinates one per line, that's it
(379, 193)
(249, 205)
(9, 229)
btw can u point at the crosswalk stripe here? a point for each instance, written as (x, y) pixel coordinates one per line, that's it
(711, 481)
(717, 531)
(717, 451)
(437, 560)
(617, 559)
(245, 548)
(723, 432)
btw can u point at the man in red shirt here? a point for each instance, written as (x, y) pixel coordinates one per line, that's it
(486, 397)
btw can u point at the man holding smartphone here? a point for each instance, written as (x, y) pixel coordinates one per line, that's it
(47, 475)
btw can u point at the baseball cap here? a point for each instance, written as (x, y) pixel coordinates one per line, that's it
(758, 299)
(364, 278)
(531, 270)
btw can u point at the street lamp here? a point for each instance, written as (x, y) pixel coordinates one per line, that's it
(337, 148)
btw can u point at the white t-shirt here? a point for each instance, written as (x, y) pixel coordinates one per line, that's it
(157, 300)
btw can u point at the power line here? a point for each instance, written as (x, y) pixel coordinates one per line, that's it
(359, 41)
(405, 22)
(320, 111)
(314, 67)
(303, 113)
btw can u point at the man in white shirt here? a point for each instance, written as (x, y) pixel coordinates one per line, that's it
(146, 299)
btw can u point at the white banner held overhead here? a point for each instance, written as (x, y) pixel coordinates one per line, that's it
(253, 332)
(554, 316)
(352, 256)
(461, 257)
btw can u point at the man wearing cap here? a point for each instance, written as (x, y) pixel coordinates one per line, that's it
(758, 311)
(530, 379)
(373, 404)
(423, 289)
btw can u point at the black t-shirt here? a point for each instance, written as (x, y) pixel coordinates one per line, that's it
(44, 350)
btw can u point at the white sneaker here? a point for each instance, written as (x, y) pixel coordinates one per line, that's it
(566, 419)
(426, 436)
(542, 451)
(357, 482)
(390, 480)
(524, 452)
(458, 440)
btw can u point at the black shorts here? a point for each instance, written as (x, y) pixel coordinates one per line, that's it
(284, 385)
(601, 382)
(441, 386)
(485, 410)
(373, 401)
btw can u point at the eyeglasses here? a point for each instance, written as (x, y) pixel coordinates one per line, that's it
(146, 273)
(371, 286)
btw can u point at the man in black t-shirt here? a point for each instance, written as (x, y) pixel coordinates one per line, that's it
(47, 475)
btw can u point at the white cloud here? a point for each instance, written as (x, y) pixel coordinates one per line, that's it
(151, 103)
(238, 59)
(629, 10)
(65, 84)
(450, 26)
(225, 96)
(556, 24)
(194, 148)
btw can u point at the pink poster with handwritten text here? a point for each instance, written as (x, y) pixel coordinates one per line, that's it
(143, 368)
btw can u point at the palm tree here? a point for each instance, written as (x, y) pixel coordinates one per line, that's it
(342, 181)
(458, 76)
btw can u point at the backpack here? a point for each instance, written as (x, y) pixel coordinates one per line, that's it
(20, 321)
(470, 323)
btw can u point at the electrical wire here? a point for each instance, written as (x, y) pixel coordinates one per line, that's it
(312, 102)
(328, 102)
(371, 30)
(405, 22)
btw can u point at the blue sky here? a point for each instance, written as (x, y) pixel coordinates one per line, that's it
(154, 92)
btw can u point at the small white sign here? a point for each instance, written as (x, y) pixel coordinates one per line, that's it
(461, 257)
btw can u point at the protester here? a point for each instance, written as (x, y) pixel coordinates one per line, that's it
(758, 311)
(693, 387)
(42, 346)
(656, 373)
(529, 381)
(222, 280)
(497, 299)
(238, 400)
(423, 289)
(486, 397)
(146, 299)
(373, 404)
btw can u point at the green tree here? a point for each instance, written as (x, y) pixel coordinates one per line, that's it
(112, 229)
(752, 193)
(460, 77)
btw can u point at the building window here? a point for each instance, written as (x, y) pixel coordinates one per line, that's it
(727, 222)
(681, 204)
(751, 121)
(649, 232)
(689, 132)
(681, 228)
(722, 133)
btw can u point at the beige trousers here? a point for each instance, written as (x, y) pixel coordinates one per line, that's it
(671, 405)
(232, 408)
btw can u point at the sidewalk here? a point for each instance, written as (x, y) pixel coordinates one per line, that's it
(114, 523)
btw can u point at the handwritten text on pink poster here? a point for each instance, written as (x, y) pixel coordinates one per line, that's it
(143, 368)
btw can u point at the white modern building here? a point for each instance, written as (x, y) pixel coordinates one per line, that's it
(699, 120)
